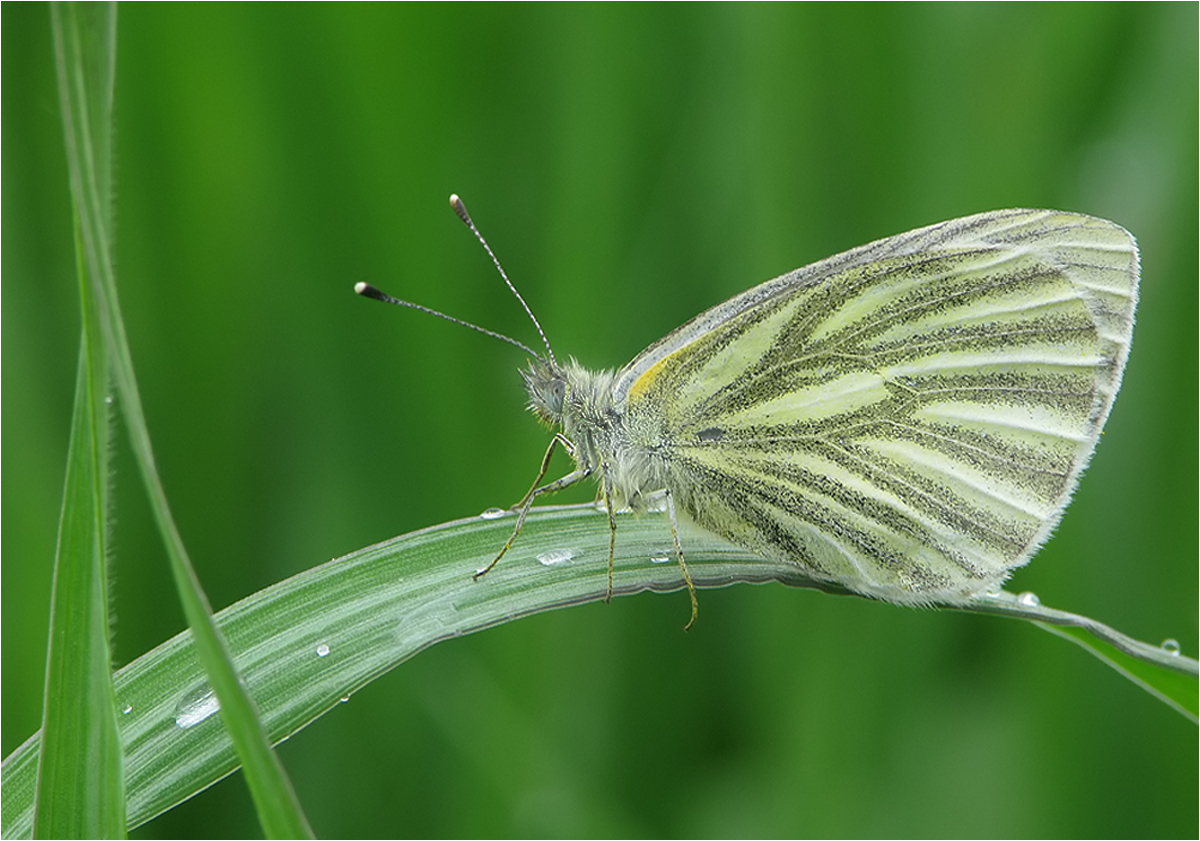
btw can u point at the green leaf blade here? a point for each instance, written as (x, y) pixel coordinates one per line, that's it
(1174, 688)
(81, 781)
(80, 791)
(310, 641)
(86, 42)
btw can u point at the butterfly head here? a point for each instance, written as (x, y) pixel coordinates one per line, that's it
(546, 383)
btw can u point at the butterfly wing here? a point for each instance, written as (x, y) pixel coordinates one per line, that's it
(908, 418)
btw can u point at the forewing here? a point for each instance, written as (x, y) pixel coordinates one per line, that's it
(908, 418)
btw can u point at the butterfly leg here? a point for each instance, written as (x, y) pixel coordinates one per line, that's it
(606, 489)
(534, 492)
(687, 576)
(567, 445)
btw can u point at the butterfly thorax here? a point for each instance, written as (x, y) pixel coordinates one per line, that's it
(581, 403)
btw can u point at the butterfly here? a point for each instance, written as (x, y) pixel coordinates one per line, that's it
(907, 419)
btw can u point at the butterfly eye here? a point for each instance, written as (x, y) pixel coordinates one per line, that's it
(547, 389)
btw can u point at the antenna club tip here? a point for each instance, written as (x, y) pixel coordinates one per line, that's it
(369, 291)
(460, 209)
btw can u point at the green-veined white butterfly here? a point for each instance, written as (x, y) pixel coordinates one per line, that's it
(907, 419)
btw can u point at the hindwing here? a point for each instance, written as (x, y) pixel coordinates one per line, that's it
(908, 418)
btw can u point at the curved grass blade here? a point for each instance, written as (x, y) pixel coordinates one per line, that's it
(311, 641)
(1160, 670)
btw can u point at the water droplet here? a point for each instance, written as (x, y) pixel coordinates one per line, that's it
(127, 709)
(322, 650)
(555, 557)
(1171, 646)
(493, 514)
(660, 558)
(344, 699)
(196, 706)
(1028, 599)
(108, 398)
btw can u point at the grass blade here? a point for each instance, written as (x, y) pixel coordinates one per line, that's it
(81, 781)
(1160, 670)
(1174, 688)
(309, 642)
(86, 78)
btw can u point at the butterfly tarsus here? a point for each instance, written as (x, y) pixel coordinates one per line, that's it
(606, 485)
(687, 576)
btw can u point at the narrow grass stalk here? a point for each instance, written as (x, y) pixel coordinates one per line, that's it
(81, 779)
(85, 81)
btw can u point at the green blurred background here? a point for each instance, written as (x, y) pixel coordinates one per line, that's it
(631, 165)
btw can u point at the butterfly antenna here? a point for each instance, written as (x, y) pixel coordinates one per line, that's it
(369, 291)
(461, 210)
